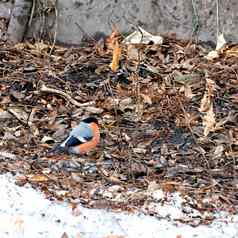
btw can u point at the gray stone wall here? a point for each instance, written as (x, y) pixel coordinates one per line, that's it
(186, 18)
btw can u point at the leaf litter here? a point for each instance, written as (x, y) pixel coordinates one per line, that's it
(168, 116)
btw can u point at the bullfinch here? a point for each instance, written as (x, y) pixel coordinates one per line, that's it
(82, 138)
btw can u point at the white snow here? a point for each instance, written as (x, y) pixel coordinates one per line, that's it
(24, 212)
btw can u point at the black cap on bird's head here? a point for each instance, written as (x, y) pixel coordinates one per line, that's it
(91, 120)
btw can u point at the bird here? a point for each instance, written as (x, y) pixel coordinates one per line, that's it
(83, 138)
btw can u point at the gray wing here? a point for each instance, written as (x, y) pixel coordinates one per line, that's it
(80, 134)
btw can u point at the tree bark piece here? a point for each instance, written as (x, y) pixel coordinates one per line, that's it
(19, 19)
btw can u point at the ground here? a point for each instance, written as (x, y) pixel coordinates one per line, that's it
(168, 122)
(19, 217)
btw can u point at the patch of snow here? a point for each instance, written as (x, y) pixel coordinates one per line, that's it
(24, 212)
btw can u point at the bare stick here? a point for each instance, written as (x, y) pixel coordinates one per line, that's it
(45, 89)
(32, 12)
(56, 28)
(218, 18)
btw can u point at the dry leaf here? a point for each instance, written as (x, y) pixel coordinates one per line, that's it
(220, 41)
(146, 99)
(209, 121)
(113, 38)
(116, 57)
(212, 55)
(101, 47)
(126, 137)
(188, 92)
(210, 86)
(114, 179)
(5, 100)
(206, 100)
(140, 36)
(191, 119)
(21, 180)
(40, 46)
(169, 186)
(218, 151)
(35, 131)
(215, 53)
(37, 178)
(133, 53)
(233, 51)
(205, 103)
(139, 150)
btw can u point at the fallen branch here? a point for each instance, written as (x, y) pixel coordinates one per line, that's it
(45, 89)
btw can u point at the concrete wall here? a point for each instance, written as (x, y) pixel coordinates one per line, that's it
(183, 17)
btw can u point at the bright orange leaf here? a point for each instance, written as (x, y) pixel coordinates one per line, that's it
(116, 57)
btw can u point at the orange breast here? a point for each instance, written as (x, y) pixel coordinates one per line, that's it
(87, 146)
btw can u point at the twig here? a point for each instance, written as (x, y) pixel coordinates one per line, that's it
(32, 12)
(218, 19)
(56, 28)
(45, 89)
